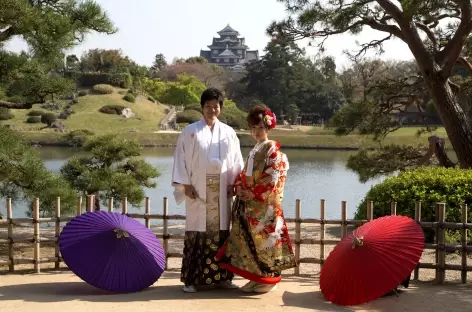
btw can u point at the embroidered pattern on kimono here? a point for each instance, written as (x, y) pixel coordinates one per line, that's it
(259, 241)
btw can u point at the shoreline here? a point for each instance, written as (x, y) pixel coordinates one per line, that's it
(318, 147)
(288, 139)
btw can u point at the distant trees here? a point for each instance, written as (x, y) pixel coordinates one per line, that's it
(285, 79)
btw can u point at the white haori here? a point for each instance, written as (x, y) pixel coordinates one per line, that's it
(200, 152)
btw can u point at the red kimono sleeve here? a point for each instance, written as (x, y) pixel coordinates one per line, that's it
(270, 177)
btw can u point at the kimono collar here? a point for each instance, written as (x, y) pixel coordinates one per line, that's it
(204, 123)
(250, 163)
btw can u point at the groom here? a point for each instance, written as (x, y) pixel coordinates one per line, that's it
(207, 161)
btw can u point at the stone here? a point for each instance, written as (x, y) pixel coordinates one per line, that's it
(127, 113)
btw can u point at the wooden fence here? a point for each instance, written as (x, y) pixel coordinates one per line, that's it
(439, 246)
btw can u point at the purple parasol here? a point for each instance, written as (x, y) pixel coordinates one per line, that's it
(112, 251)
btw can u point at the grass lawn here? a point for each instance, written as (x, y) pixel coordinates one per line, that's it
(87, 116)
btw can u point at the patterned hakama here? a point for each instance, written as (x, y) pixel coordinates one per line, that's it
(198, 263)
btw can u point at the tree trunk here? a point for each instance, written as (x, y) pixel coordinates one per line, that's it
(454, 118)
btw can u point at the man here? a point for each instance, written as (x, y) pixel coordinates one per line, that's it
(207, 161)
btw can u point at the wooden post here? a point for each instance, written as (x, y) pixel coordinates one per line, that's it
(58, 233)
(88, 204)
(147, 212)
(79, 206)
(124, 205)
(416, 274)
(36, 236)
(441, 269)
(110, 204)
(11, 265)
(322, 231)
(165, 227)
(343, 219)
(436, 235)
(92, 202)
(464, 244)
(393, 208)
(370, 210)
(298, 215)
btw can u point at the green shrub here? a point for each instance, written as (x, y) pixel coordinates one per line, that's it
(87, 80)
(35, 113)
(102, 89)
(33, 119)
(129, 98)
(196, 107)
(83, 93)
(188, 116)
(150, 98)
(112, 109)
(233, 120)
(429, 185)
(48, 118)
(78, 137)
(5, 114)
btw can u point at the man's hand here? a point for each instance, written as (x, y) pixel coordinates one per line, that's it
(190, 191)
(230, 191)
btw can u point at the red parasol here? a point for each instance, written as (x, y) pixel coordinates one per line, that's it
(372, 261)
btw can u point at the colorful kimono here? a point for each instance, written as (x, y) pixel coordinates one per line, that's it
(259, 246)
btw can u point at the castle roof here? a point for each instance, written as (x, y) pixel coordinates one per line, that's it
(228, 30)
(227, 53)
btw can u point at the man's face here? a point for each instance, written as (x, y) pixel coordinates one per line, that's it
(211, 109)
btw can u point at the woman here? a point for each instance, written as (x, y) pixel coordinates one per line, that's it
(259, 246)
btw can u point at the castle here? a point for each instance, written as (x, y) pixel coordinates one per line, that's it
(229, 51)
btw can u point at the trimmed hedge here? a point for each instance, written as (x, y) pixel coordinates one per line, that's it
(188, 116)
(112, 109)
(35, 113)
(33, 119)
(129, 98)
(429, 185)
(48, 118)
(87, 80)
(5, 114)
(103, 89)
(230, 114)
(78, 137)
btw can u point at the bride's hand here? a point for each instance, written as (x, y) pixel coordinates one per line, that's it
(246, 195)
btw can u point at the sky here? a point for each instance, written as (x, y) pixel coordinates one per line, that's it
(181, 28)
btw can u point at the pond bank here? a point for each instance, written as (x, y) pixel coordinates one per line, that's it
(155, 145)
(288, 139)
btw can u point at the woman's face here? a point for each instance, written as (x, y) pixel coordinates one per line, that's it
(260, 131)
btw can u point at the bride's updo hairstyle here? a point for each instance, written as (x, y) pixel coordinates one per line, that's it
(261, 113)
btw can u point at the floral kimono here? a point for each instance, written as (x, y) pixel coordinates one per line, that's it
(259, 246)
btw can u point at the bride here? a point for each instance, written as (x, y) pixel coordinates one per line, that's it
(259, 246)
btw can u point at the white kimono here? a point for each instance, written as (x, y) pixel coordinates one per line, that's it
(191, 160)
